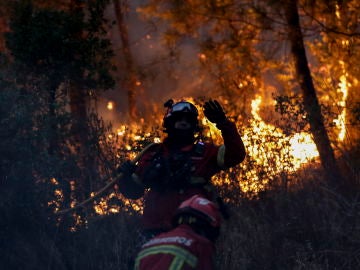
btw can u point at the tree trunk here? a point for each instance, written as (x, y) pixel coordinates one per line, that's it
(131, 78)
(79, 128)
(78, 112)
(76, 93)
(310, 100)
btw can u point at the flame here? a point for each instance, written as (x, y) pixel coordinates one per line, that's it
(202, 56)
(340, 120)
(343, 87)
(58, 195)
(255, 107)
(303, 148)
(269, 148)
(343, 90)
(102, 207)
(259, 141)
(337, 11)
(54, 181)
(110, 105)
(300, 145)
(298, 149)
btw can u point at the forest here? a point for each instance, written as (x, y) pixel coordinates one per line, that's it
(82, 89)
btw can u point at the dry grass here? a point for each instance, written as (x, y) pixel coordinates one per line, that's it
(310, 227)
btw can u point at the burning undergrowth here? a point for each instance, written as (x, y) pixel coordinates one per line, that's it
(273, 158)
(39, 181)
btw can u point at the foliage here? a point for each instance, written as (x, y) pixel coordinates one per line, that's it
(34, 181)
(356, 114)
(46, 52)
(225, 42)
(243, 48)
(292, 111)
(61, 45)
(63, 48)
(24, 156)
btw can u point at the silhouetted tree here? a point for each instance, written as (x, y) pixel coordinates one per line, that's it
(67, 55)
(311, 103)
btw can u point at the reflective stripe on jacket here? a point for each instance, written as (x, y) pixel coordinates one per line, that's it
(179, 249)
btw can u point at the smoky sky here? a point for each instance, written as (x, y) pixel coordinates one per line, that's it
(162, 75)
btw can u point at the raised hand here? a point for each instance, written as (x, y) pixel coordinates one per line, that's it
(214, 112)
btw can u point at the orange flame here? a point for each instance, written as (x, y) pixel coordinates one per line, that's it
(343, 90)
(110, 105)
(343, 87)
(302, 147)
(298, 148)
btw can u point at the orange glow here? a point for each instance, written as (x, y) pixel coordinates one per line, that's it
(268, 148)
(301, 146)
(121, 130)
(340, 121)
(54, 181)
(102, 207)
(202, 56)
(110, 105)
(288, 153)
(343, 91)
(58, 196)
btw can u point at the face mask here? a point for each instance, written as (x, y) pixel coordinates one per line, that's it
(183, 137)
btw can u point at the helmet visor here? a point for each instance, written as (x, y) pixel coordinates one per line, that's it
(184, 107)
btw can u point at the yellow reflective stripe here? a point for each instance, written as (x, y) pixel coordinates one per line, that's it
(221, 156)
(181, 256)
(176, 264)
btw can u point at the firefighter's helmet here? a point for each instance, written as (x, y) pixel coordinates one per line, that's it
(200, 213)
(177, 110)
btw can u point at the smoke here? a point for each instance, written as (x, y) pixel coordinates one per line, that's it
(162, 75)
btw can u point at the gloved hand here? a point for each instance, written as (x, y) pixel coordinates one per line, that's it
(214, 112)
(129, 187)
(127, 168)
(155, 173)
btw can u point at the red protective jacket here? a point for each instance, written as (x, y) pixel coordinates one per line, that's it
(178, 249)
(201, 162)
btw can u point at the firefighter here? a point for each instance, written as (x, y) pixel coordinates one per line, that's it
(181, 166)
(190, 245)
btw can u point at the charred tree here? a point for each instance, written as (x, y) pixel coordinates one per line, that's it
(78, 110)
(310, 100)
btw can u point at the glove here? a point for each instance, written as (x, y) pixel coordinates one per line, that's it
(127, 168)
(155, 173)
(127, 186)
(214, 112)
